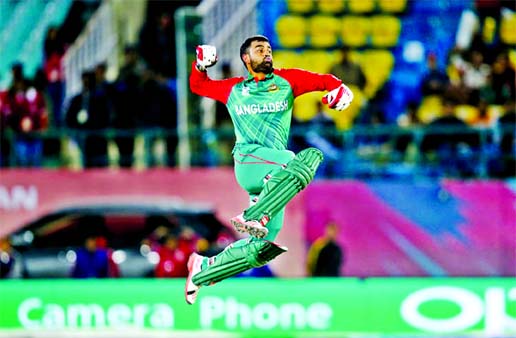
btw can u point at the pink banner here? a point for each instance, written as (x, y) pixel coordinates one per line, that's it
(28, 194)
(406, 229)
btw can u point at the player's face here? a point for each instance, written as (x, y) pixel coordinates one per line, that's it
(260, 56)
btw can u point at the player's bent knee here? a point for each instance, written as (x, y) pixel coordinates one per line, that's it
(304, 165)
(312, 157)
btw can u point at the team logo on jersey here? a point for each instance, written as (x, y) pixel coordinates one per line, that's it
(245, 91)
(272, 88)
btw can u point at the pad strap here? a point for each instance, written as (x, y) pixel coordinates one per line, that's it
(234, 260)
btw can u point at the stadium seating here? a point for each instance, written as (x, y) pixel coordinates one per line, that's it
(306, 105)
(489, 30)
(330, 6)
(361, 6)
(467, 113)
(392, 6)
(323, 31)
(300, 6)
(291, 31)
(385, 31)
(355, 31)
(377, 65)
(284, 58)
(430, 109)
(317, 60)
(508, 29)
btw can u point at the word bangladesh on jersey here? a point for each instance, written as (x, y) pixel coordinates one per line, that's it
(258, 108)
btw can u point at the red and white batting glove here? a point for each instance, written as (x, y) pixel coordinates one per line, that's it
(206, 57)
(339, 98)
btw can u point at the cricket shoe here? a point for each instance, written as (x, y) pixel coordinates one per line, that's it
(252, 227)
(194, 267)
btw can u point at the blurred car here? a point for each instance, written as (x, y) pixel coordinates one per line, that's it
(48, 246)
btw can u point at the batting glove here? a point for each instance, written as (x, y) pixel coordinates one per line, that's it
(339, 98)
(206, 57)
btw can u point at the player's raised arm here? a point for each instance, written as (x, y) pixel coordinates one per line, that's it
(201, 84)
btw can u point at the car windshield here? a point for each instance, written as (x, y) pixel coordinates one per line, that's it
(120, 229)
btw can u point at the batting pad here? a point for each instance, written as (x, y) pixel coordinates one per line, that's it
(284, 185)
(236, 259)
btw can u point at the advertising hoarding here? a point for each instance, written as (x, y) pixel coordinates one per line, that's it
(267, 306)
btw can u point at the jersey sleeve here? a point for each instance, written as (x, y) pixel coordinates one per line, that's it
(201, 84)
(304, 81)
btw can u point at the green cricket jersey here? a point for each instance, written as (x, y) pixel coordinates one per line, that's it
(261, 110)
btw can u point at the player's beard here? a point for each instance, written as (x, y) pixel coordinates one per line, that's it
(262, 66)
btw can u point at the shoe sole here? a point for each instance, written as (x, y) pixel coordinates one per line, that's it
(189, 265)
(255, 231)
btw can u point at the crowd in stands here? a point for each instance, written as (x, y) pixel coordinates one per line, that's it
(474, 91)
(465, 106)
(141, 97)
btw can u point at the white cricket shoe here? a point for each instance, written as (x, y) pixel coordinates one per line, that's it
(254, 228)
(194, 267)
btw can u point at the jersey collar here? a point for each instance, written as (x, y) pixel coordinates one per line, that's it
(252, 78)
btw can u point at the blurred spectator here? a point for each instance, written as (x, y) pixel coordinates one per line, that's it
(102, 85)
(157, 45)
(89, 111)
(24, 110)
(447, 119)
(53, 44)
(404, 143)
(188, 240)
(435, 81)
(132, 67)
(325, 255)
(5, 145)
(160, 112)
(456, 62)
(223, 124)
(507, 123)
(487, 32)
(172, 259)
(222, 118)
(53, 53)
(476, 76)
(113, 269)
(91, 261)
(503, 79)
(11, 262)
(6, 259)
(128, 103)
(348, 71)
(450, 142)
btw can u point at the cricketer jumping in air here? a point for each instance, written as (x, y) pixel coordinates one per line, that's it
(261, 110)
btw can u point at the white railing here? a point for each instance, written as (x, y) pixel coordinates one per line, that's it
(97, 43)
(226, 24)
